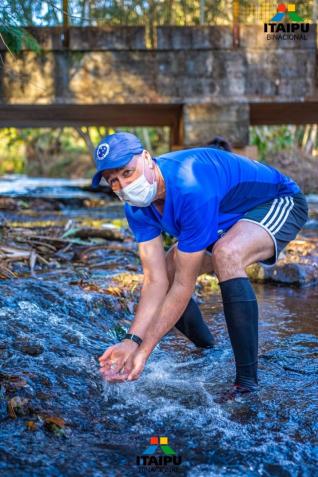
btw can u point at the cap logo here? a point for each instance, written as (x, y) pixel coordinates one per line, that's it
(102, 151)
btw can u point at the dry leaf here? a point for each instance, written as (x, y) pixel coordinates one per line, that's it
(17, 406)
(115, 291)
(54, 424)
(31, 426)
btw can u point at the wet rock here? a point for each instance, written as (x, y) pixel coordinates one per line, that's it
(11, 383)
(42, 396)
(44, 381)
(207, 284)
(72, 338)
(32, 349)
(298, 265)
(6, 203)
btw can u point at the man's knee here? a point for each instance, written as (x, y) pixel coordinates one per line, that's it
(225, 254)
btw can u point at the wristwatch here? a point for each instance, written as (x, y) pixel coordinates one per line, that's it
(135, 338)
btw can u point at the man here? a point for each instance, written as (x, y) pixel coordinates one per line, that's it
(227, 212)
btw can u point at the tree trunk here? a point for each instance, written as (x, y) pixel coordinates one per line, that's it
(84, 134)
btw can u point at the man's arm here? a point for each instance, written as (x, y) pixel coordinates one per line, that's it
(154, 290)
(155, 285)
(187, 269)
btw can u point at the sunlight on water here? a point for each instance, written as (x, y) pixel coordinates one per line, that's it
(20, 184)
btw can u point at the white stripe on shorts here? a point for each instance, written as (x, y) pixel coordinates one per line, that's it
(279, 205)
(272, 207)
(283, 216)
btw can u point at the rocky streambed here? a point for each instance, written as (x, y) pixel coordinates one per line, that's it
(70, 277)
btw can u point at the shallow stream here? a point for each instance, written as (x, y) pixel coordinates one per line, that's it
(52, 332)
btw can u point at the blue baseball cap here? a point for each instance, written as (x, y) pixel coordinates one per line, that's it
(115, 151)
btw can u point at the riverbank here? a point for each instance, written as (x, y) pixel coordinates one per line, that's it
(48, 226)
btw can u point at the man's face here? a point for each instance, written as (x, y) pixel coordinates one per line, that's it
(120, 178)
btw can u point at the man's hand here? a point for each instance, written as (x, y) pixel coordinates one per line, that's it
(135, 364)
(112, 362)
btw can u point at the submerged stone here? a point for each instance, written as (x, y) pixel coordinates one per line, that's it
(297, 265)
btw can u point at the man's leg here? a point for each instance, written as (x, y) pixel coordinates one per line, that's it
(193, 326)
(191, 322)
(245, 243)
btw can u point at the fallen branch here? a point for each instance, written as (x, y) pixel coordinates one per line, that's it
(12, 254)
(89, 232)
(59, 240)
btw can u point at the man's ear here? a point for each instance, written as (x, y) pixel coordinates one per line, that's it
(149, 159)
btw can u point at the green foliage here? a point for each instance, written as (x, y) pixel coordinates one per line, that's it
(272, 139)
(12, 164)
(12, 159)
(168, 240)
(16, 38)
(156, 140)
(14, 15)
(64, 152)
(101, 12)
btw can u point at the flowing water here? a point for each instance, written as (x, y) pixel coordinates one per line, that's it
(52, 332)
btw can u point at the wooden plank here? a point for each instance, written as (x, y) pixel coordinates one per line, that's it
(111, 115)
(284, 113)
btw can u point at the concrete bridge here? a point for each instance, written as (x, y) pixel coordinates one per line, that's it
(194, 81)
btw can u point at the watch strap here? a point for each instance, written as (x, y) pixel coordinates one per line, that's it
(133, 337)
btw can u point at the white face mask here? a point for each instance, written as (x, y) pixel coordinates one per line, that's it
(139, 192)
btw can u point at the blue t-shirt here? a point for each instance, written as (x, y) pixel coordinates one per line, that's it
(207, 191)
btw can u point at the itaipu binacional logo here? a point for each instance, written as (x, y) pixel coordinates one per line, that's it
(159, 456)
(286, 24)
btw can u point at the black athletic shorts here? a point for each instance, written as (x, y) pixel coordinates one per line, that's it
(282, 218)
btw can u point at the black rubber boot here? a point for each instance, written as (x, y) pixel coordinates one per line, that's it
(193, 326)
(241, 315)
